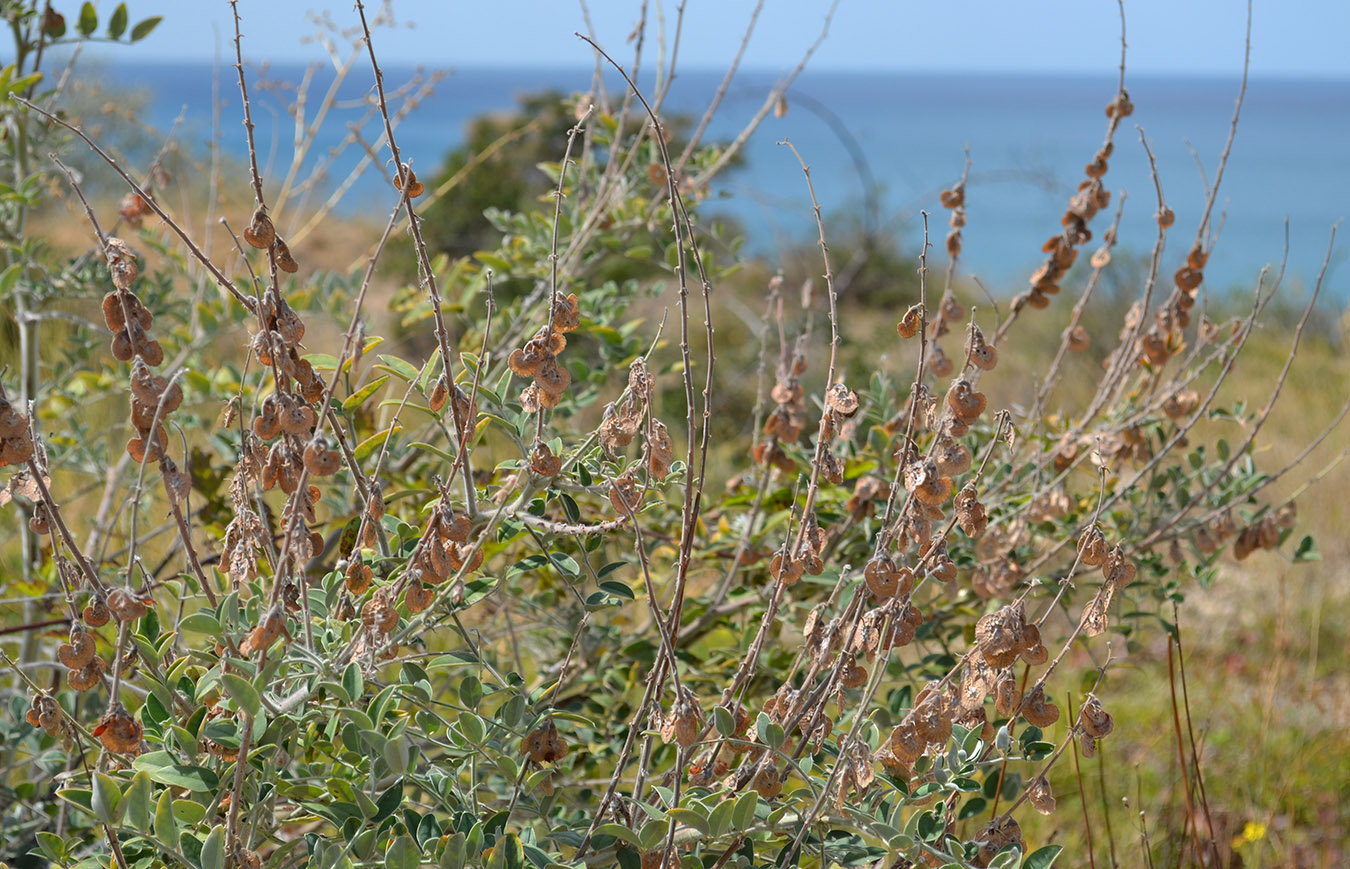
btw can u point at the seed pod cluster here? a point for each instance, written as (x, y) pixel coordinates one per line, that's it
(123, 313)
(786, 421)
(1004, 635)
(16, 444)
(152, 400)
(445, 549)
(1062, 250)
(539, 358)
(684, 722)
(997, 835)
(543, 744)
(954, 200)
(623, 420)
(1265, 532)
(262, 234)
(79, 658)
(45, 712)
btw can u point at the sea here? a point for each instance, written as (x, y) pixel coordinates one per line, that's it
(883, 145)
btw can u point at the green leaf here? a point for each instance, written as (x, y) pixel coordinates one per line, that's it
(88, 19)
(356, 399)
(242, 692)
(470, 691)
(403, 854)
(107, 798)
(166, 828)
(137, 798)
(691, 818)
(117, 25)
(213, 849)
(162, 768)
(374, 442)
(1043, 858)
(744, 813)
(143, 28)
(53, 846)
(619, 831)
(723, 720)
(405, 370)
(352, 682)
(200, 622)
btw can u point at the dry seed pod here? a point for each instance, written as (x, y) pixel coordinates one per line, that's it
(1078, 339)
(119, 731)
(1006, 693)
(122, 264)
(982, 355)
(378, 616)
(320, 460)
(965, 402)
(96, 612)
(853, 675)
(1038, 710)
(418, 598)
(359, 576)
(938, 362)
(1040, 796)
(439, 393)
(543, 462)
(127, 605)
(543, 744)
(79, 652)
(282, 254)
(767, 782)
(39, 523)
(298, 419)
(406, 177)
(13, 424)
(1092, 549)
(951, 310)
(908, 326)
(1117, 569)
(269, 629)
(88, 677)
(1094, 719)
(953, 198)
(260, 232)
(785, 569)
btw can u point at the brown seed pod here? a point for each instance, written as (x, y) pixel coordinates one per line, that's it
(260, 232)
(543, 462)
(122, 265)
(418, 598)
(965, 403)
(953, 198)
(1037, 709)
(378, 615)
(119, 731)
(282, 254)
(982, 355)
(767, 782)
(1006, 693)
(96, 612)
(406, 177)
(121, 346)
(543, 744)
(938, 362)
(320, 460)
(1094, 719)
(127, 605)
(1092, 548)
(39, 523)
(908, 326)
(359, 577)
(298, 419)
(88, 677)
(853, 674)
(268, 630)
(77, 654)
(1040, 796)
(439, 393)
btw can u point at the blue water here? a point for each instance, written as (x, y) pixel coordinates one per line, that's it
(1029, 137)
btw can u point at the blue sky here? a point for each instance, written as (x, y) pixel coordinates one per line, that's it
(1200, 37)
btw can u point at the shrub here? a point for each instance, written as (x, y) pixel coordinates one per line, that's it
(543, 596)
